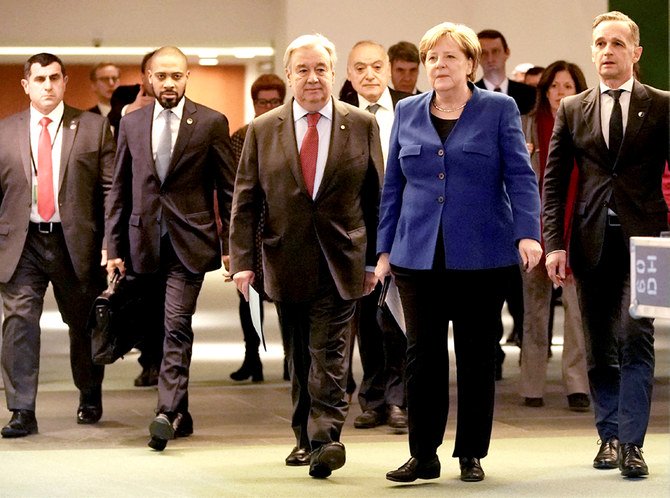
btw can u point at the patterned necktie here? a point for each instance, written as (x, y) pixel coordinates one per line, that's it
(309, 150)
(616, 125)
(497, 89)
(373, 108)
(164, 148)
(45, 185)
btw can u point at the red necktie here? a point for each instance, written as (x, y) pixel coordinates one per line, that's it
(309, 150)
(45, 185)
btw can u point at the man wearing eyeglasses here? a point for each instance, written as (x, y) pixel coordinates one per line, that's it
(105, 79)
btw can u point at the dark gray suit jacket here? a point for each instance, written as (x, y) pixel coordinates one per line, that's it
(340, 223)
(201, 162)
(633, 182)
(87, 162)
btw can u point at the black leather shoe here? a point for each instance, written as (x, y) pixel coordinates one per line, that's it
(368, 419)
(632, 462)
(471, 469)
(251, 368)
(298, 456)
(148, 377)
(533, 402)
(397, 418)
(90, 406)
(414, 469)
(183, 425)
(608, 455)
(326, 458)
(22, 423)
(168, 426)
(578, 402)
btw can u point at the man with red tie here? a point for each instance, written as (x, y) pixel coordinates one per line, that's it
(56, 167)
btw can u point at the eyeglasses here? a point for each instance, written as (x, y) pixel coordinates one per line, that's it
(268, 103)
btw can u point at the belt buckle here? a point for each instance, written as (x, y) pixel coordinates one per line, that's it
(44, 227)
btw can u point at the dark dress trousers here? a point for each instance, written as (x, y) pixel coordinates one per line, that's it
(174, 262)
(620, 349)
(68, 256)
(314, 251)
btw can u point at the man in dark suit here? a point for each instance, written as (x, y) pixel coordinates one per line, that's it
(404, 60)
(56, 166)
(319, 234)
(161, 223)
(382, 393)
(104, 78)
(495, 53)
(618, 135)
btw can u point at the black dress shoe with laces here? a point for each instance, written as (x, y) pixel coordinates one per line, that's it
(22, 423)
(298, 456)
(90, 406)
(608, 455)
(397, 418)
(326, 458)
(368, 419)
(632, 462)
(471, 469)
(167, 426)
(415, 469)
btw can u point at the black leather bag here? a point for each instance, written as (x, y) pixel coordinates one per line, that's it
(113, 321)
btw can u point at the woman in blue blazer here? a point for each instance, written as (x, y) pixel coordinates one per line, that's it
(460, 208)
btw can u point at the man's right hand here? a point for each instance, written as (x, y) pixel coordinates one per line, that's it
(556, 262)
(113, 264)
(243, 279)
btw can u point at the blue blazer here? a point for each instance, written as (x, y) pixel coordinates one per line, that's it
(478, 186)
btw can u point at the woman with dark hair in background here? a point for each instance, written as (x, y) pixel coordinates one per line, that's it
(558, 80)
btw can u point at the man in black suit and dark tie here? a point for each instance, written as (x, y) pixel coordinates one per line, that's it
(56, 167)
(314, 166)
(617, 133)
(404, 60)
(104, 78)
(382, 393)
(171, 157)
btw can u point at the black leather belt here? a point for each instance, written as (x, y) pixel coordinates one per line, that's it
(47, 227)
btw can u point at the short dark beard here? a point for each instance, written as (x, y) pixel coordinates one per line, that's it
(169, 104)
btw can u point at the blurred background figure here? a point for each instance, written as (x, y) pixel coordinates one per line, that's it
(533, 75)
(104, 80)
(404, 59)
(520, 70)
(559, 80)
(267, 92)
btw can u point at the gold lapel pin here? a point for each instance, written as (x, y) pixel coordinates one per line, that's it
(189, 121)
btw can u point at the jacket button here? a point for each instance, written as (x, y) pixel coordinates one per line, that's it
(441, 176)
(440, 199)
(440, 152)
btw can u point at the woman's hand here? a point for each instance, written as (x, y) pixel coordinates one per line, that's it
(531, 252)
(383, 266)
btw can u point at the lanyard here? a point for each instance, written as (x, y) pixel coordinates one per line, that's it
(32, 159)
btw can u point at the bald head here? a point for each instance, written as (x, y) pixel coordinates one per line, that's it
(168, 75)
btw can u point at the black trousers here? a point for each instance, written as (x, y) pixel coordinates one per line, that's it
(45, 259)
(318, 335)
(471, 301)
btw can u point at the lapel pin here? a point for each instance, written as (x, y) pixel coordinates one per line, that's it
(73, 125)
(640, 114)
(342, 127)
(189, 121)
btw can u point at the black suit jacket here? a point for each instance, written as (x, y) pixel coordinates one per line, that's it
(122, 96)
(86, 166)
(523, 95)
(201, 161)
(339, 224)
(631, 186)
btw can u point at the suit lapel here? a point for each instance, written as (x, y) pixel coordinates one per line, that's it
(591, 110)
(148, 124)
(289, 144)
(69, 129)
(339, 136)
(186, 128)
(24, 145)
(637, 113)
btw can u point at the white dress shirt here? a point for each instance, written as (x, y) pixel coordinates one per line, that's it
(384, 117)
(504, 86)
(607, 103)
(159, 124)
(323, 127)
(56, 133)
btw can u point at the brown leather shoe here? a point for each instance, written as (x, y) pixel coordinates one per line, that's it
(632, 462)
(368, 419)
(471, 469)
(397, 418)
(608, 455)
(297, 457)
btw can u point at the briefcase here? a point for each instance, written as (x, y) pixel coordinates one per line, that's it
(113, 321)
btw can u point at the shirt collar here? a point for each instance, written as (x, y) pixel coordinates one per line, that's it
(504, 85)
(384, 101)
(627, 86)
(177, 110)
(55, 116)
(299, 111)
